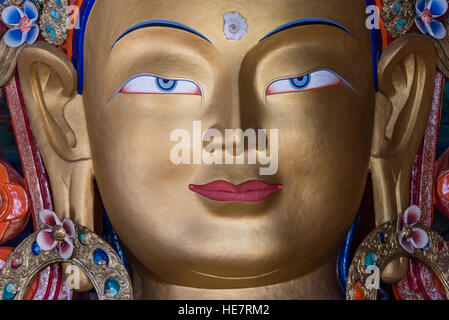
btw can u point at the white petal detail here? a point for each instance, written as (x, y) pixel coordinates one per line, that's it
(438, 7)
(69, 227)
(33, 34)
(412, 215)
(30, 11)
(49, 218)
(45, 240)
(14, 38)
(66, 249)
(436, 29)
(12, 15)
(419, 238)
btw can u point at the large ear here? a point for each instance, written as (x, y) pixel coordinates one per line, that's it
(406, 82)
(56, 114)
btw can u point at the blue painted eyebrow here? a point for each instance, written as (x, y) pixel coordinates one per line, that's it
(160, 23)
(306, 22)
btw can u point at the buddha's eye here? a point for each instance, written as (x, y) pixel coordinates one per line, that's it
(156, 85)
(309, 81)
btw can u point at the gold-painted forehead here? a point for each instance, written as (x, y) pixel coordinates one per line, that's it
(240, 30)
(208, 17)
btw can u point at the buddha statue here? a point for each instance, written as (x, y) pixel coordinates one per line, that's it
(146, 68)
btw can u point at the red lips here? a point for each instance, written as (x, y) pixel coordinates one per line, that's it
(249, 191)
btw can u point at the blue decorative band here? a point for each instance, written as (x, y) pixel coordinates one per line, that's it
(344, 258)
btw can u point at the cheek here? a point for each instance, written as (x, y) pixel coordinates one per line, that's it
(131, 154)
(322, 130)
(131, 145)
(324, 152)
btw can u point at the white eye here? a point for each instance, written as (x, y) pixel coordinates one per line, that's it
(155, 85)
(309, 81)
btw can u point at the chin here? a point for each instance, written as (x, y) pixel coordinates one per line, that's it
(230, 272)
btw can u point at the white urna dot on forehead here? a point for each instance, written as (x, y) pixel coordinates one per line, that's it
(235, 26)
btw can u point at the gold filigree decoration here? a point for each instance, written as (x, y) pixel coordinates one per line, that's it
(91, 253)
(398, 16)
(383, 243)
(54, 21)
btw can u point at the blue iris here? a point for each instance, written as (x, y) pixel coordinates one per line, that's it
(300, 82)
(166, 85)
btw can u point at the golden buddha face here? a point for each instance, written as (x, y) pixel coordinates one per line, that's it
(324, 132)
(301, 70)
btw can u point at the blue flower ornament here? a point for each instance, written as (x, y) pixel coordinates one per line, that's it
(22, 23)
(426, 12)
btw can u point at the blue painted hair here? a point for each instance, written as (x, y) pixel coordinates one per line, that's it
(78, 41)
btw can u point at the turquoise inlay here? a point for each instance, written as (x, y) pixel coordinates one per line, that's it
(51, 31)
(401, 25)
(9, 292)
(82, 237)
(371, 259)
(112, 287)
(397, 9)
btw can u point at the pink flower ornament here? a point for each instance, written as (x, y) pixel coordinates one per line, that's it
(56, 234)
(410, 237)
(426, 13)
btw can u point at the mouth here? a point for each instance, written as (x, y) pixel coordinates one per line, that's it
(249, 191)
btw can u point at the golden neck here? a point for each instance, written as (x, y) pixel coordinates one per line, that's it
(318, 285)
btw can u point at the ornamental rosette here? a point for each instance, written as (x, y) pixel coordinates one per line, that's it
(22, 24)
(427, 11)
(56, 234)
(411, 237)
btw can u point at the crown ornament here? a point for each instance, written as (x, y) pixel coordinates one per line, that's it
(26, 20)
(50, 16)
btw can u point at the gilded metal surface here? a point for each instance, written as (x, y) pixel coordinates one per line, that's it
(435, 255)
(31, 264)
